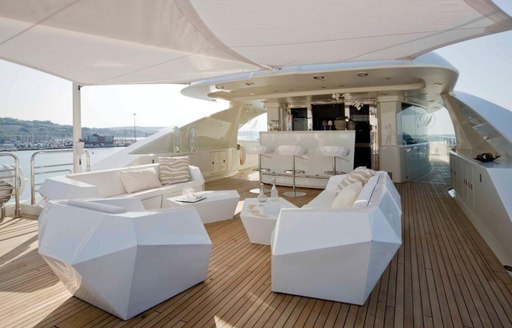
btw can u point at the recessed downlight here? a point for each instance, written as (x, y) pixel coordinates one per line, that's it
(319, 77)
(362, 74)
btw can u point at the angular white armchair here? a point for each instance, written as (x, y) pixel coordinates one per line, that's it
(337, 254)
(120, 258)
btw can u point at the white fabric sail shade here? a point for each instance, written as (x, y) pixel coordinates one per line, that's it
(178, 41)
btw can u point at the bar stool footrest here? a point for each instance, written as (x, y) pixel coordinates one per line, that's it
(294, 193)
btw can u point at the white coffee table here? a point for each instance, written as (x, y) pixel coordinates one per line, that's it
(218, 205)
(259, 219)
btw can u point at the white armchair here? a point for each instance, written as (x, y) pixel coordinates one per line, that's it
(337, 254)
(120, 258)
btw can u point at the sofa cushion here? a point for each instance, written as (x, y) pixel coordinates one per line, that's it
(323, 200)
(361, 174)
(173, 170)
(108, 182)
(140, 179)
(347, 195)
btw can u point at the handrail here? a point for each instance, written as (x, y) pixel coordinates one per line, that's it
(34, 172)
(17, 212)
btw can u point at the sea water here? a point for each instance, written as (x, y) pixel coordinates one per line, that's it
(97, 154)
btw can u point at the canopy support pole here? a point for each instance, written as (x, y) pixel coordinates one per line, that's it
(78, 146)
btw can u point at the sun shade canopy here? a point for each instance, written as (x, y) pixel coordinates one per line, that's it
(177, 41)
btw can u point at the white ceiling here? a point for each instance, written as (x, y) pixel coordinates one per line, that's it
(178, 41)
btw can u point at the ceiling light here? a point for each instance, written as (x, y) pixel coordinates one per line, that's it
(319, 77)
(362, 74)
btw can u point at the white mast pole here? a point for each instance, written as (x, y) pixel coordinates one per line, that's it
(77, 128)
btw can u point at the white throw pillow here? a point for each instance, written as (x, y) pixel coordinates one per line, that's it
(141, 179)
(361, 174)
(347, 196)
(173, 170)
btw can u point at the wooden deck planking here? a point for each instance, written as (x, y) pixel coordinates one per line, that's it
(443, 275)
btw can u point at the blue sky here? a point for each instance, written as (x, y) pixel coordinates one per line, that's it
(483, 63)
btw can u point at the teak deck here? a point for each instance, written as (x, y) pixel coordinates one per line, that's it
(443, 275)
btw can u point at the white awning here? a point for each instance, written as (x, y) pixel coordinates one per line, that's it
(179, 41)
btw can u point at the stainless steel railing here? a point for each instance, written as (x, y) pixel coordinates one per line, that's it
(14, 190)
(53, 168)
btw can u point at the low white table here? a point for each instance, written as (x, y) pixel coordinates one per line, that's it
(218, 205)
(259, 219)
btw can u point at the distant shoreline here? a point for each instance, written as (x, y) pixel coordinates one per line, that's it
(58, 148)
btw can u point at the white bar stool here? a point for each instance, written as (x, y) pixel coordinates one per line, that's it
(294, 151)
(334, 152)
(261, 151)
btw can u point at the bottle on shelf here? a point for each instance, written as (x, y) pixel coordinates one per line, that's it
(274, 195)
(261, 197)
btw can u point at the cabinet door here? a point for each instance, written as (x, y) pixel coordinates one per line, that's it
(468, 184)
(455, 174)
(223, 161)
(214, 161)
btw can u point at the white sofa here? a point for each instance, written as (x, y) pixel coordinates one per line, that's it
(121, 258)
(337, 254)
(107, 183)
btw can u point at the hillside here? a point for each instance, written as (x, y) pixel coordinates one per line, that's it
(13, 129)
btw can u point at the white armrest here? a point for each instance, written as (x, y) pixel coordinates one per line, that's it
(62, 187)
(111, 209)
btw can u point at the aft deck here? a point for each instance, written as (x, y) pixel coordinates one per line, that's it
(443, 275)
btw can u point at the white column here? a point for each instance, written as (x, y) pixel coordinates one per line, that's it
(77, 128)
(391, 158)
(276, 114)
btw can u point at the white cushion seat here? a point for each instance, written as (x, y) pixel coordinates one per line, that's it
(322, 200)
(291, 150)
(334, 151)
(347, 196)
